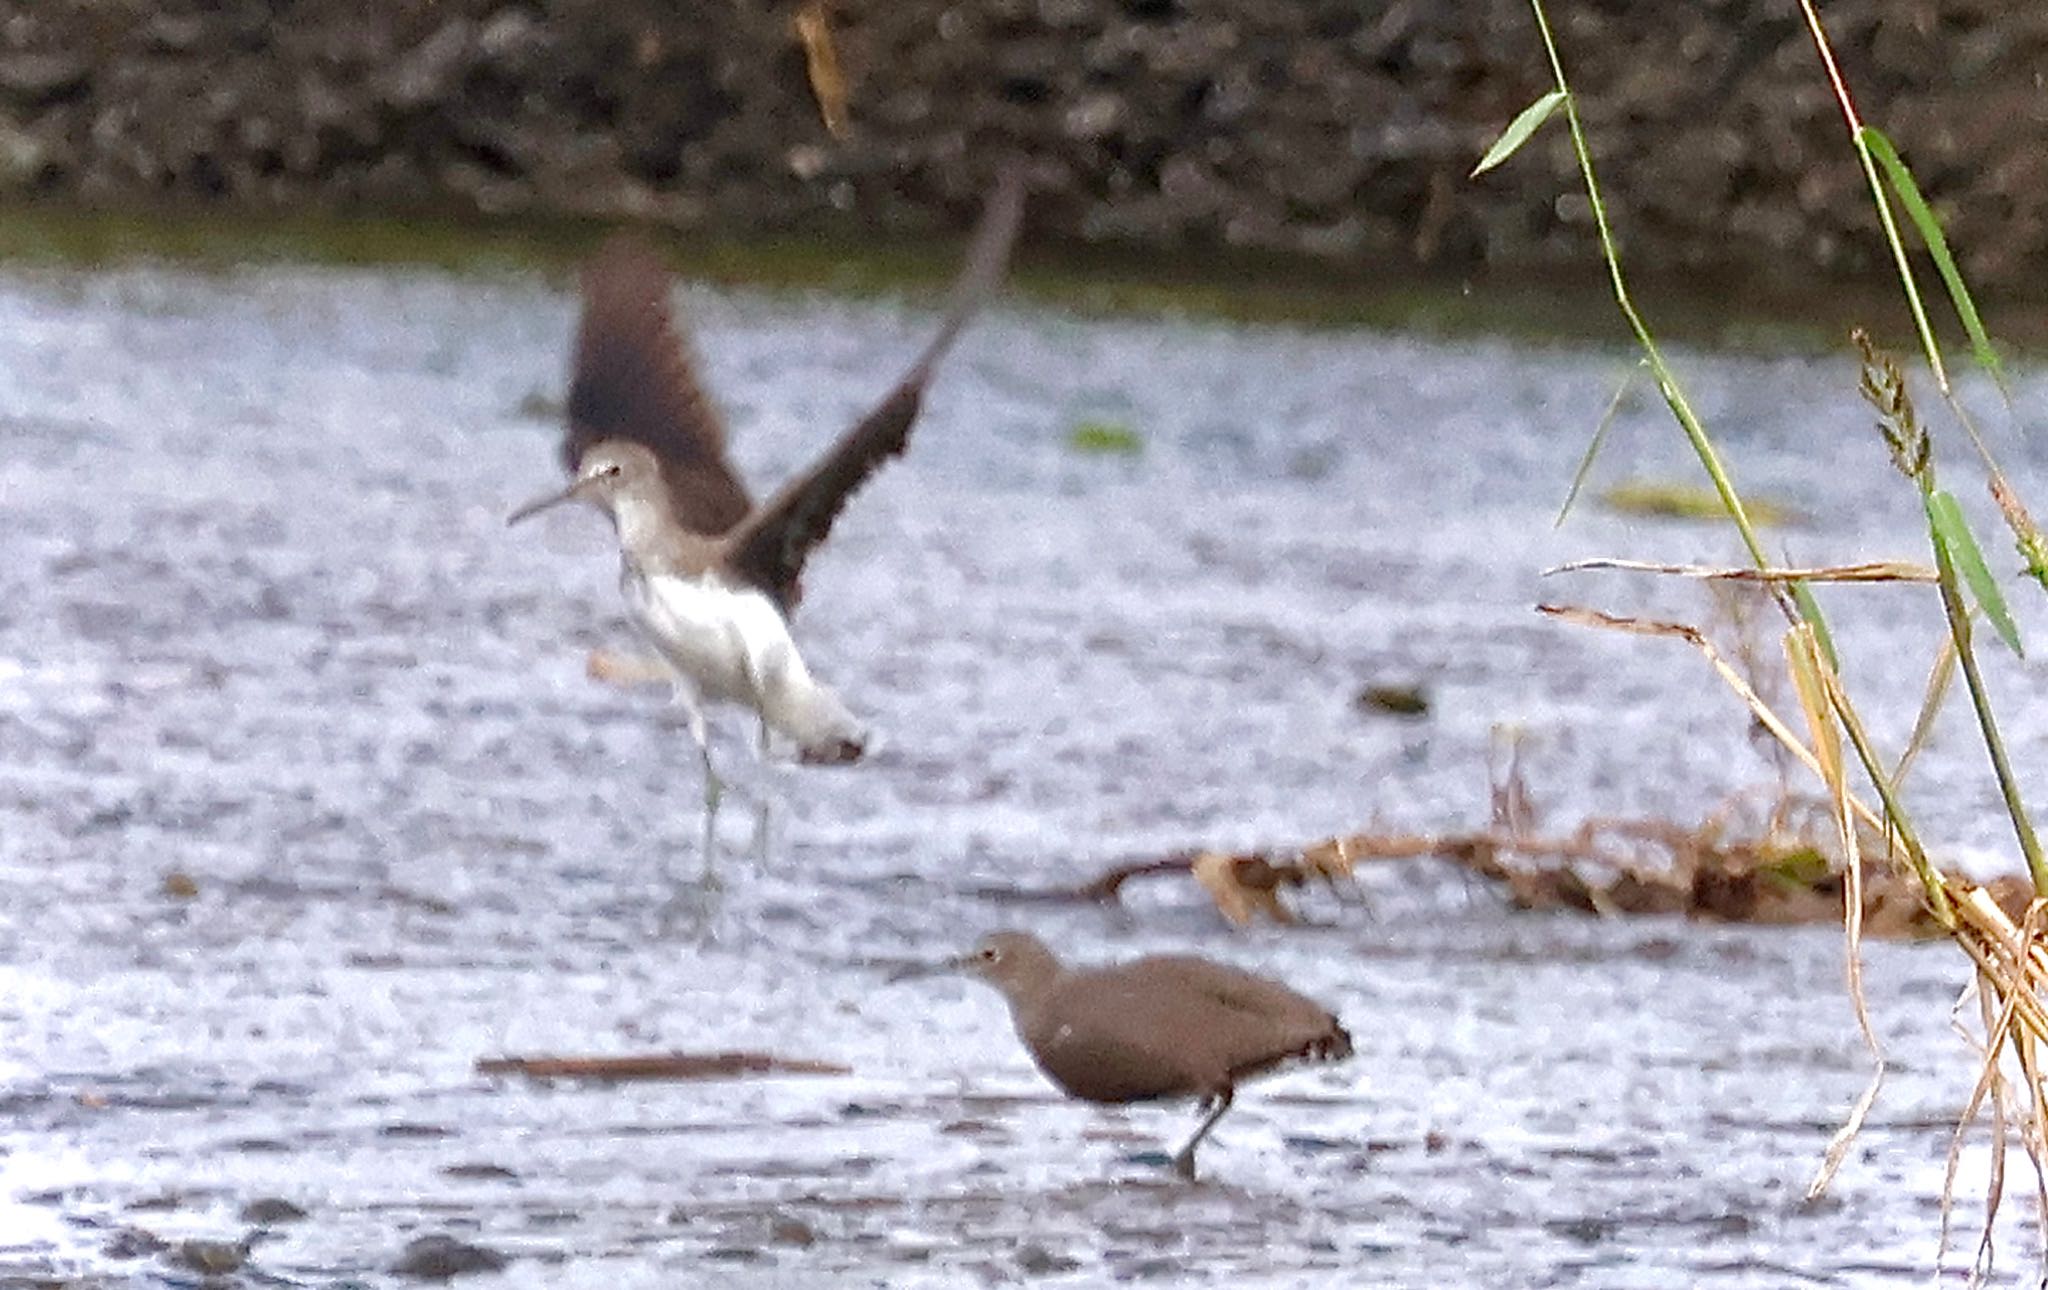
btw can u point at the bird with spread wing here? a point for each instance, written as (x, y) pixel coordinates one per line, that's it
(712, 577)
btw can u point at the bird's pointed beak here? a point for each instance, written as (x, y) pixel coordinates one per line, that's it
(539, 504)
(922, 971)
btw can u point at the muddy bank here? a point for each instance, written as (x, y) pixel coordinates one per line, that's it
(1323, 129)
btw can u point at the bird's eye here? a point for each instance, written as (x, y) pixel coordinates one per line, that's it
(609, 468)
(990, 954)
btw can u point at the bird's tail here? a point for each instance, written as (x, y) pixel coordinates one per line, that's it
(1333, 1045)
(843, 751)
(826, 733)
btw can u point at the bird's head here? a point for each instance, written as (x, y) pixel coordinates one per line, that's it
(1017, 963)
(606, 472)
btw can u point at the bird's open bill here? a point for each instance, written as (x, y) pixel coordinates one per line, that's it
(539, 504)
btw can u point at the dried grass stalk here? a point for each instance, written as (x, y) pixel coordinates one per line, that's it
(1869, 571)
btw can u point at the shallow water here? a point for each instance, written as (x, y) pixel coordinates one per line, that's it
(261, 625)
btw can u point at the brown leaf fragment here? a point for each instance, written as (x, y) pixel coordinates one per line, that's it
(1243, 887)
(821, 64)
(625, 670)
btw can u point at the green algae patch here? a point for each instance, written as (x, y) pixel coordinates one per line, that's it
(1104, 439)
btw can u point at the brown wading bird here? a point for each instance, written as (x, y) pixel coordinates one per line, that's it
(710, 576)
(1164, 1026)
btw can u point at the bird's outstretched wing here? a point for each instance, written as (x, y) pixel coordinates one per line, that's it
(635, 379)
(770, 548)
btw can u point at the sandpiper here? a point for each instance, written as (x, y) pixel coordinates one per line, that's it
(1163, 1026)
(711, 577)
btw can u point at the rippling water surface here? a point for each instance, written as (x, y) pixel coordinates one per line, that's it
(261, 625)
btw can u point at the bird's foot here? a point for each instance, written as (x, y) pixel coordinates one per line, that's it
(692, 905)
(1183, 1166)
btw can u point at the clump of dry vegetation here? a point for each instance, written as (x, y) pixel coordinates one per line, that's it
(1754, 859)
(2002, 943)
(1769, 854)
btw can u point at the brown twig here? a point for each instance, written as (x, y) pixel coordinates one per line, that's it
(1867, 571)
(652, 1066)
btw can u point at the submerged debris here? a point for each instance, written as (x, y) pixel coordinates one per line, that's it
(788, 1229)
(441, 1257)
(271, 1210)
(134, 1243)
(1394, 700)
(211, 1258)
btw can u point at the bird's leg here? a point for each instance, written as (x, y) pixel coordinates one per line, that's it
(714, 788)
(766, 671)
(714, 793)
(764, 806)
(691, 902)
(1184, 1160)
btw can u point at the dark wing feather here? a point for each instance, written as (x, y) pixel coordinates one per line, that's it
(770, 549)
(1250, 1023)
(634, 379)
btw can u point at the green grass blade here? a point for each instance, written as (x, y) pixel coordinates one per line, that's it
(1902, 183)
(1526, 123)
(1809, 610)
(1593, 448)
(1953, 532)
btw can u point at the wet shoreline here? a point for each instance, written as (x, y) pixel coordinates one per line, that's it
(1776, 313)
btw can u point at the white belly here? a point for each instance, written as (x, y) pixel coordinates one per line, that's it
(726, 641)
(732, 645)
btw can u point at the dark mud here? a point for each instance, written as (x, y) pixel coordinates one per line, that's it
(261, 626)
(1321, 131)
